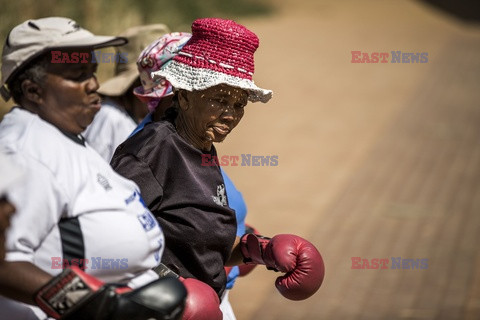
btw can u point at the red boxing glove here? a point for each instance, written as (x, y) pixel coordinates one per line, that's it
(75, 295)
(287, 253)
(202, 301)
(247, 268)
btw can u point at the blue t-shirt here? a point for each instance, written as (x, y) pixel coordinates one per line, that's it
(236, 202)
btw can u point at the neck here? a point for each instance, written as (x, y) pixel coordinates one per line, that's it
(162, 106)
(184, 130)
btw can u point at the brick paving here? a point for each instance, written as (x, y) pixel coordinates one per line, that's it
(413, 193)
(417, 195)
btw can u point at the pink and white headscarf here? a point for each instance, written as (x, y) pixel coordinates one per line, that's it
(152, 59)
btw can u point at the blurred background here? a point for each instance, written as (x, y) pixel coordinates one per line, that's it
(375, 160)
(113, 17)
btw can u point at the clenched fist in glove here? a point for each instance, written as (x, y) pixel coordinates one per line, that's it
(202, 301)
(75, 295)
(296, 257)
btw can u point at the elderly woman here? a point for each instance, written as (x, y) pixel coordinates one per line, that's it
(73, 211)
(157, 95)
(212, 80)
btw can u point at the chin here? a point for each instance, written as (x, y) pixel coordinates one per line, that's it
(219, 140)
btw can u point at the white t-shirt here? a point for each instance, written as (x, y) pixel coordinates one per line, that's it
(110, 127)
(103, 218)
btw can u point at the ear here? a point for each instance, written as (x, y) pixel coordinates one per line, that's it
(183, 100)
(32, 91)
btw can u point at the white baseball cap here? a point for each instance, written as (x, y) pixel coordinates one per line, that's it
(32, 38)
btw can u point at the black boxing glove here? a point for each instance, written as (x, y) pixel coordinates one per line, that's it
(75, 295)
(296, 257)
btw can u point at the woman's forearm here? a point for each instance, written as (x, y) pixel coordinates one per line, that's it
(236, 258)
(20, 280)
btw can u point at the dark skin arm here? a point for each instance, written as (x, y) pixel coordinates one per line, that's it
(236, 258)
(20, 280)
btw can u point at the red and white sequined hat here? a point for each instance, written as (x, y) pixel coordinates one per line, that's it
(219, 52)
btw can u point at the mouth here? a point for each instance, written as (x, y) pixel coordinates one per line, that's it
(96, 102)
(223, 130)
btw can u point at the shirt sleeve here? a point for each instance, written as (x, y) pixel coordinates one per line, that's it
(39, 204)
(108, 130)
(134, 169)
(122, 128)
(236, 202)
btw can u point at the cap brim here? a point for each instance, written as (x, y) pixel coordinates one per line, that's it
(119, 84)
(94, 42)
(186, 77)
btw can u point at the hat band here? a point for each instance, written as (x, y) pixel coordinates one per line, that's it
(221, 64)
(183, 76)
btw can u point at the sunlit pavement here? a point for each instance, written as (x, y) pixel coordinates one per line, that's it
(375, 160)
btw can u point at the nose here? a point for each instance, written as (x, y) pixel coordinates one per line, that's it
(92, 84)
(231, 114)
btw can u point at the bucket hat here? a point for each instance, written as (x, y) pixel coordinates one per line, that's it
(219, 52)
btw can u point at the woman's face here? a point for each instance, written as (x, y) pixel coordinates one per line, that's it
(69, 99)
(211, 114)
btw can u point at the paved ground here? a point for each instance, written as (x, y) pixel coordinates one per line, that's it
(375, 160)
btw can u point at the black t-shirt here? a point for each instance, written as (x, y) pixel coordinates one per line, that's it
(189, 201)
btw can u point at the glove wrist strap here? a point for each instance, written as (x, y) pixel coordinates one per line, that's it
(253, 248)
(65, 291)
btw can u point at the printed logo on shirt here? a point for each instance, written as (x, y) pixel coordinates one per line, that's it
(147, 220)
(221, 198)
(157, 253)
(134, 196)
(103, 182)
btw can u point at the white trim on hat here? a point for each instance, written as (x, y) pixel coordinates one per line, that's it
(183, 76)
(221, 64)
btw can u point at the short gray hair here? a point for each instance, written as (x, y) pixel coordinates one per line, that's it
(35, 71)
